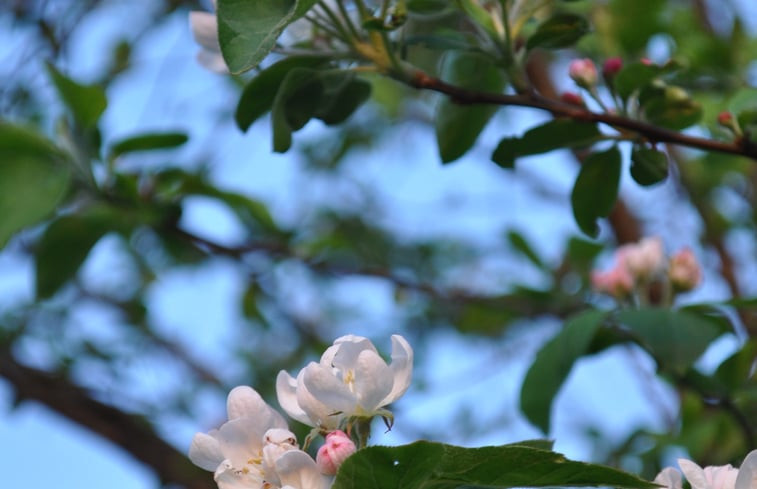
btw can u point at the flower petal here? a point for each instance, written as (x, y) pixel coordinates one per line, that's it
(204, 26)
(240, 439)
(373, 380)
(205, 452)
(321, 395)
(747, 478)
(297, 469)
(670, 478)
(694, 474)
(227, 477)
(286, 392)
(402, 368)
(245, 402)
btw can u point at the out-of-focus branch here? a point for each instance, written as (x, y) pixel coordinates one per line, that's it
(130, 432)
(557, 108)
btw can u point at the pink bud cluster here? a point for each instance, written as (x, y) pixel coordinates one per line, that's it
(334, 452)
(640, 264)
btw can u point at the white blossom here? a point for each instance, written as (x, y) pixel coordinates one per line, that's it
(351, 380)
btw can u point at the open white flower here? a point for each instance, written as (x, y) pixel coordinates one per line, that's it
(235, 451)
(351, 380)
(722, 476)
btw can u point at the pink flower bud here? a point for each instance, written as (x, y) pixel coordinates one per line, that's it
(616, 282)
(684, 271)
(646, 61)
(611, 67)
(725, 118)
(583, 72)
(572, 98)
(334, 452)
(644, 259)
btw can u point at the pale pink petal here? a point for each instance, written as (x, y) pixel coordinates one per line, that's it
(373, 381)
(747, 478)
(204, 26)
(297, 469)
(402, 369)
(286, 393)
(694, 474)
(670, 478)
(205, 452)
(324, 394)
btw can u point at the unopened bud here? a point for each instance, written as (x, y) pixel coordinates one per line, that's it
(334, 452)
(572, 98)
(725, 118)
(583, 72)
(684, 272)
(616, 282)
(611, 67)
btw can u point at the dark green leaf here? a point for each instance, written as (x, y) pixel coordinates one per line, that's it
(148, 142)
(582, 252)
(552, 365)
(33, 179)
(342, 96)
(64, 247)
(519, 243)
(247, 31)
(672, 108)
(425, 465)
(648, 166)
(285, 114)
(458, 126)
(427, 6)
(675, 338)
(555, 134)
(596, 189)
(736, 370)
(559, 31)
(257, 97)
(86, 102)
(634, 76)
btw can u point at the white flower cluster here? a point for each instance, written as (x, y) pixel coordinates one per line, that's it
(712, 477)
(255, 449)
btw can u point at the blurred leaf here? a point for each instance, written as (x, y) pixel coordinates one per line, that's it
(560, 31)
(555, 134)
(675, 338)
(672, 108)
(425, 464)
(65, 245)
(648, 166)
(427, 6)
(343, 94)
(258, 95)
(298, 84)
(458, 126)
(148, 142)
(553, 364)
(596, 189)
(736, 370)
(86, 102)
(518, 242)
(247, 31)
(33, 179)
(633, 23)
(634, 76)
(582, 253)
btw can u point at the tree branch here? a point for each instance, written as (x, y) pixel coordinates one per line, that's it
(131, 432)
(649, 132)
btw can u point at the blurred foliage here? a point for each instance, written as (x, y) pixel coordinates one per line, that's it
(70, 185)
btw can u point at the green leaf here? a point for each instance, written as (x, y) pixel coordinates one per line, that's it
(426, 465)
(553, 364)
(458, 126)
(736, 370)
(423, 7)
(520, 244)
(675, 338)
(672, 108)
(596, 189)
(258, 95)
(559, 31)
(148, 142)
(65, 245)
(634, 76)
(555, 134)
(343, 94)
(648, 166)
(248, 30)
(33, 179)
(86, 102)
(300, 84)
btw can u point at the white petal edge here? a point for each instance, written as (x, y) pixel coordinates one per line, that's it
(326, 390)
(205, 452)
(244, 401)
(670, 478)
(286, 393)
(402, 368)
(298, 469)
(747, 478)
(204, 26)
(373, 380)
(694, 474)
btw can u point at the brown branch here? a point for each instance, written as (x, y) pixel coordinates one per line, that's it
(131, 432)
(650, 132)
